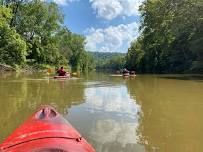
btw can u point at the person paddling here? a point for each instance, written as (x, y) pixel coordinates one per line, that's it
(61, 72)
(125, 71)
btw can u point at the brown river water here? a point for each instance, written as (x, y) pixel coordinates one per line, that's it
(146, 113)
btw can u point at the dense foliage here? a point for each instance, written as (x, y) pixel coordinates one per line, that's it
(109, 60)
(171, 39)
(32, 32)
(13, 48)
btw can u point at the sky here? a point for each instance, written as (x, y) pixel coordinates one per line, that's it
(108, 25)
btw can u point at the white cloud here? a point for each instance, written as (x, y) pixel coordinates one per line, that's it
(64, 2)
(111, 39)
(110, 9)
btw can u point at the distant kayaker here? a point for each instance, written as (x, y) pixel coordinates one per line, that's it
(125, 71)
(117, 72)
(132, 72)
(61, 72)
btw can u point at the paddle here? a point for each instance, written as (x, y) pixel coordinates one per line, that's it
(49, 71)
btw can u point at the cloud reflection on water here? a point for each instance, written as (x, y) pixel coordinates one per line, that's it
(111, 119)
(112, 100)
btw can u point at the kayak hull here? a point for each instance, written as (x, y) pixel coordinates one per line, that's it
(126, 74)
(46, 131)
(62, 77)
(121, 75)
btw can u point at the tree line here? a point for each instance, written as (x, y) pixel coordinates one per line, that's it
(32, 33)
(109, 60)
(171, 38)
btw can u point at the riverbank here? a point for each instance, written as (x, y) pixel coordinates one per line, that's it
(25, 68)
(34, 68)
(6, 68)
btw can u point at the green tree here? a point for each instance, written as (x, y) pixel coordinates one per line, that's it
(33, 32)
(5, 15)
(38, 24)
(64, 37)
(77, 43)
(134, 57)
(171, 33)
(12, 47)
(87, 62)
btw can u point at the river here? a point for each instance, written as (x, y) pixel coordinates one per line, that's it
(146, 113)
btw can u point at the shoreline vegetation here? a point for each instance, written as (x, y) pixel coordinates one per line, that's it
(33, 37)
(170, 39)
(26, 68)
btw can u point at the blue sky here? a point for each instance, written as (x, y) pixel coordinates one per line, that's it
(108, 25)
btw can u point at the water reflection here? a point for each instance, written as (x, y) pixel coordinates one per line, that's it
(193, 77)
(113, 100)
(21, 96)
(172, 112)
(140, 114)
(111, 119)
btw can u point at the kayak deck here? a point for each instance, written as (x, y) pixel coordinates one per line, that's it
(46, 131)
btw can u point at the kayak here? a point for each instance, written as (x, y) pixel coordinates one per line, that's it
(126, 74)
(122, 75)
(46, 131)
(62, 77)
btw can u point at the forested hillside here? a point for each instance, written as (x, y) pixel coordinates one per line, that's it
(109, 60)
(171, 39)
(32, 33)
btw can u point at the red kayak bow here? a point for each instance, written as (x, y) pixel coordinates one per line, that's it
(46, 131)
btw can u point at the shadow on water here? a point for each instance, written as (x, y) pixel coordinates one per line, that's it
(198, 78)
